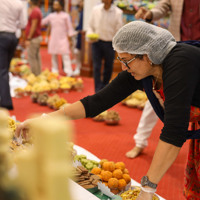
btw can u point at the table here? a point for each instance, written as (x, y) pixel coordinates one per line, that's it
(80, 193)
(90, 156)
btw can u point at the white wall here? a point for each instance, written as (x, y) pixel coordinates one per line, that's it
(88, 5)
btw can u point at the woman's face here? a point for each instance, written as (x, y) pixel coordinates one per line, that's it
(108, 2)
(139, 68)
(56, 6)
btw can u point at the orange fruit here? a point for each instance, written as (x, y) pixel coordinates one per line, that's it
(99, 175)
(120, 165)
(109, 166)
(102, 161)
(114, 191)
(118, 174)
(106, 175)
(96, 170)
(127, 178)
(126, 171)
(113, 183)
(121, 184)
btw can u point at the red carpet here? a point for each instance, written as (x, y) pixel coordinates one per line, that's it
(112, 142)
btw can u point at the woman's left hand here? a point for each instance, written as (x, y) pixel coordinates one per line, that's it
(145, 196)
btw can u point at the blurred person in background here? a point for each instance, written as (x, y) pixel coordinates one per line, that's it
(77, 50)
(33, 37)
(184, 25)
(61, 34)
(11, 18)
(105, 21)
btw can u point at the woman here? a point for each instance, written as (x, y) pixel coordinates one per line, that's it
(148, 53)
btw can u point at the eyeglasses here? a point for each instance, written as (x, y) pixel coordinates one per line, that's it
(126, 63)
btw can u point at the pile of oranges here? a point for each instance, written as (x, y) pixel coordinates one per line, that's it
(113, 175)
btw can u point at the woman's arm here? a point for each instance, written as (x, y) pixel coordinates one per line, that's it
(122, 86)
(164, 156)
(73, 111)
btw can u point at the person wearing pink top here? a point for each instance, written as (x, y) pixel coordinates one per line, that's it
(60, 37)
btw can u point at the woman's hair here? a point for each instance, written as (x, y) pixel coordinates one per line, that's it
(142, 38)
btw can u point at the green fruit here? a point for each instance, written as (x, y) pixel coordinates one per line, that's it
(82, 156)
(76, 157)
(89, 166)
(95, 166)
(84, 161)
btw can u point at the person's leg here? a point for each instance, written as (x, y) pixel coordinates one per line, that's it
(77, 54)
(67, 64)
(33, 58)
(97, 61)
(8, 44)
(39, 64)
(146, 124)
(54, 62)
(109, 56)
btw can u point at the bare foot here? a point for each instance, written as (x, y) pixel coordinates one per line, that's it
(134, 152)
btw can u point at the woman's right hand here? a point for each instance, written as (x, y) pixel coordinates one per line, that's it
(144, 13)
(23, 128)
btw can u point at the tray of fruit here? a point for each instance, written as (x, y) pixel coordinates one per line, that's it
(133, 193)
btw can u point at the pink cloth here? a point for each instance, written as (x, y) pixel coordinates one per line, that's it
(61, 29)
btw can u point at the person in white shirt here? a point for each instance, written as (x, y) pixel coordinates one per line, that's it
(11, 18)
(105, 21)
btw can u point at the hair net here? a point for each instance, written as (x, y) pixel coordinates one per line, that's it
(139, 37)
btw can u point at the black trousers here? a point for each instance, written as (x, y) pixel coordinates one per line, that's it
(102, 50)
(8, 43)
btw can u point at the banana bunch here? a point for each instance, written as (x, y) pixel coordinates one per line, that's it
(41, 78)
(78, 84)
(54, 84)
(51, 100)
(52, 76)
(25, 70)
(28, 88)
(31, 79)
(59, 103)
(19, 92)
(93, 36)
(42, 86)
(66, 82)
(15, 61)
(69, 80)
(12, 125)
(136, 99)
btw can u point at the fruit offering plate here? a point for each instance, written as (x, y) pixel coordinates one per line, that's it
(106, 191)
(133, 193)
